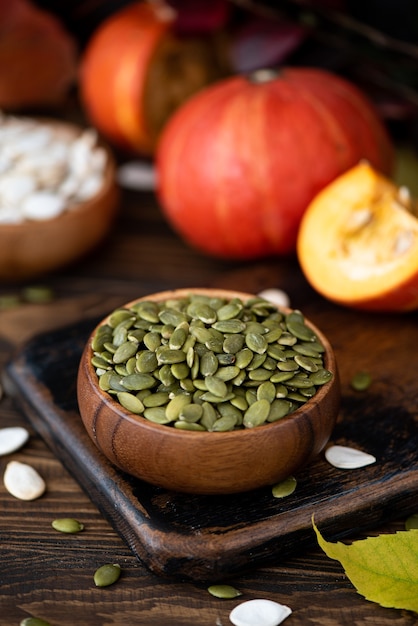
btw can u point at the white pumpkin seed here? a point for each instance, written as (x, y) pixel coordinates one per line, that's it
(137, 175)
(44, 168)
(22, 481)
(259, 612)
(344, 457)
(12, 439)
(276, 296)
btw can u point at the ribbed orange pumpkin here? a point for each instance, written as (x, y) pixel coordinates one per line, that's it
(238, 163)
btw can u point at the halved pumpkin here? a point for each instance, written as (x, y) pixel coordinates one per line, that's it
(358, 242)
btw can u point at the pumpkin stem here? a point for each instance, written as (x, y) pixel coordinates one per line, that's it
(264, 75)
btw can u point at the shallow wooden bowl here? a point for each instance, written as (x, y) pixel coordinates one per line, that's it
(207, 462)
(32, 248)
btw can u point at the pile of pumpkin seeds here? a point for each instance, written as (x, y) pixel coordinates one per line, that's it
(208, 363)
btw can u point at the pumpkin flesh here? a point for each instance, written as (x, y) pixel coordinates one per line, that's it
(358, 243)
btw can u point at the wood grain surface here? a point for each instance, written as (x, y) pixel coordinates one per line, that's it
(49, 575)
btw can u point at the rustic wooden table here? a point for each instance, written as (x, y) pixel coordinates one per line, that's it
(49, 575)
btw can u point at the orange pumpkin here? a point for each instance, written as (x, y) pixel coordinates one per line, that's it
(135, 72)
(358, 242)
(238, 163)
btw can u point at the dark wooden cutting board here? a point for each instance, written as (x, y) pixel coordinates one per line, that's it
(207, 538)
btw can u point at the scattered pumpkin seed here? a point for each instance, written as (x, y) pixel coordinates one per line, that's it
(9, 301)
(225, 592)
(284, 488)
(107, 575)
(361, 381)
(67, 525)
(249, 362)
(12, 438)
(345, 457)
(38, 294)
(34, 621)
(22, 481)
(412, 522)
(259, 612)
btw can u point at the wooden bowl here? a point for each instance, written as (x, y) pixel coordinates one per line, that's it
(32, 248)
(207, 462)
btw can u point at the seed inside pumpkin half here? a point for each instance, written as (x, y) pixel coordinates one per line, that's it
(358, 242)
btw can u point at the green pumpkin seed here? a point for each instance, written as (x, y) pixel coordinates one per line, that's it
(166, 355)
(284, 488)
(209, 416)
(125, 351)
(240, 402)
(100, 362)
(226, 592)
(273, 334)
(243, 358)
(147, 311)
(224, 424)
(267, 391)
(411, 522)
(146, 362)
(229, 311)
(208, 363)
(296, 396)
(120, 315)
(107, 575)
(176, 405)
(152, 340)
(183, 425)
(158, 398)
(306, 362)
(259, 374)
(211, 397)
(180, 371)
(115, 383)
(191, 412)
(257, 413)
(226, 358)
(320, 377)
(233, 343)
(229, 372)
(216, 386)
(34, 621)
(276, 352)
(166, 376)
(279, 408)
(67, 525)
(156, 414)
(130, 402)
(229, 326)
(136, 382)
(205, 313)
(256, 342)
(281, 390)
(287, 366)
(361, 381)
(287, 339)
(307, 349)
(257, 361)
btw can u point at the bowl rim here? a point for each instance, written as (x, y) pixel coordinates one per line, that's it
(169, 431)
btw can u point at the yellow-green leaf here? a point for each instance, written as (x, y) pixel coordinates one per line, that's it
(383, 569)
